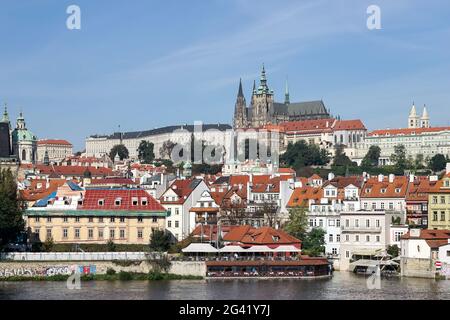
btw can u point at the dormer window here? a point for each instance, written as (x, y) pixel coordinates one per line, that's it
(397, 190)
(144, 201)
(101, 202)
(134, 201)
(275, 238)
(368, 190)
(80, 202)
(383, 190)
(118, 201)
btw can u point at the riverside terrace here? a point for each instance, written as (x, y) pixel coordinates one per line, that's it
(235, 261)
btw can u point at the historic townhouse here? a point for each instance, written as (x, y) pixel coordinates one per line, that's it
(417, 200)
(178, 199)
(53, 150)
(439, 203)
(72, 215)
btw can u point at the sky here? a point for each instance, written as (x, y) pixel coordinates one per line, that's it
(145, 64)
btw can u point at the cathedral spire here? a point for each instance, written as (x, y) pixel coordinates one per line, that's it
(286, 93)
(5, 117)
(254, 86)
(240, 92)
(263, 88)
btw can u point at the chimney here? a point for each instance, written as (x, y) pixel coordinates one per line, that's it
(162, 179)
(330, 176)
(411, 177)
(380, 178)
(414, 233)
(391, 178)
(433, 178)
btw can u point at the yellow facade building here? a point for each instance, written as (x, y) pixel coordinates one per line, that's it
(439, 204)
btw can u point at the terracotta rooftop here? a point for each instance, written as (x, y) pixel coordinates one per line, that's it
(301, 196)
(54, 142)
(248, 235)
(372, 188)
(407, 131)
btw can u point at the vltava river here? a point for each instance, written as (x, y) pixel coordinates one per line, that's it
(343, 285)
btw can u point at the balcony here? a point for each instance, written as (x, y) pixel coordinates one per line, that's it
(361, 229)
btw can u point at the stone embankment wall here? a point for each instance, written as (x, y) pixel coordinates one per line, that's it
(419, 268)
(50, 268)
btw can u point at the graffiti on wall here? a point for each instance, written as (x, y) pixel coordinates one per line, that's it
(47, 271)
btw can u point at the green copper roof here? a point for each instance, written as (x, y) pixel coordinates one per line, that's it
(23, 135)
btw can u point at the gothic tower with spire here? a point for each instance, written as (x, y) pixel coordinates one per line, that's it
(240, 109)
(262, 103)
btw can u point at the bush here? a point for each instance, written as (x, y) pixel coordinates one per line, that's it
(125, 276)
(110, 271)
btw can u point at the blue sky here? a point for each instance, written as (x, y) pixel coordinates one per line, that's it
(146, 64)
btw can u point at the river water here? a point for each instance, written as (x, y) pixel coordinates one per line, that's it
(343, 285)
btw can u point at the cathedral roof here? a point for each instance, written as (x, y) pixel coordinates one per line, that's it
(297, 108)
(23, 135)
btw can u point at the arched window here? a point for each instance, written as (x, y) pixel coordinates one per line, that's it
(24, 155)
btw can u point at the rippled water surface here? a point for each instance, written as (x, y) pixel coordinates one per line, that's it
(343, 285)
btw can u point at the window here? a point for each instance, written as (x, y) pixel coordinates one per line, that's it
(320, 223)
(122, 219)
(357, 223)
(155, 220)
(397, 236)
(347, 254)
(100, 233)
(338, 223)
(169, 224)
(112, 219)
(378, 238)
(448, 253)
(118, 201)
(347, 237)
(100, 220)
(36, 219)
(112, 234)
(442, 215)
(334, 251)
(357, 238)
(435, 215)
(442, 199)
(177, 211)
(391, 206)
(378, 223)
(311, 222)
(176, 224)
(101, 202)
(49, 233)
(382, 206)
(37, 231)
(347, 223)
(338, 238)
(91, 219)
(367, 223)
(330, 238)
(374, 205)
(144, 201)
(77, 233)
(367, 238)
(90, 233)
(331, 222)
(139, 234)
(65, 219)
(122, 234)
(49, 219)
(65, 233)
(134, 201)
(140, 219)
(435, 199)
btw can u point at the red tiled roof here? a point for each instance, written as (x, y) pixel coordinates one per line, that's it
(247, 235)
(117, 181)
(308, 126)
(430, 234)
(301, 196)
(73, 170)
(349, 125)
(286, 170)
(92, 197)
(372, 188)
(419, 189)
(407, 131)
(182, 189)
(54, 142)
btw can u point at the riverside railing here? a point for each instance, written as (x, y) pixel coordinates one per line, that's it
(73, 256)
